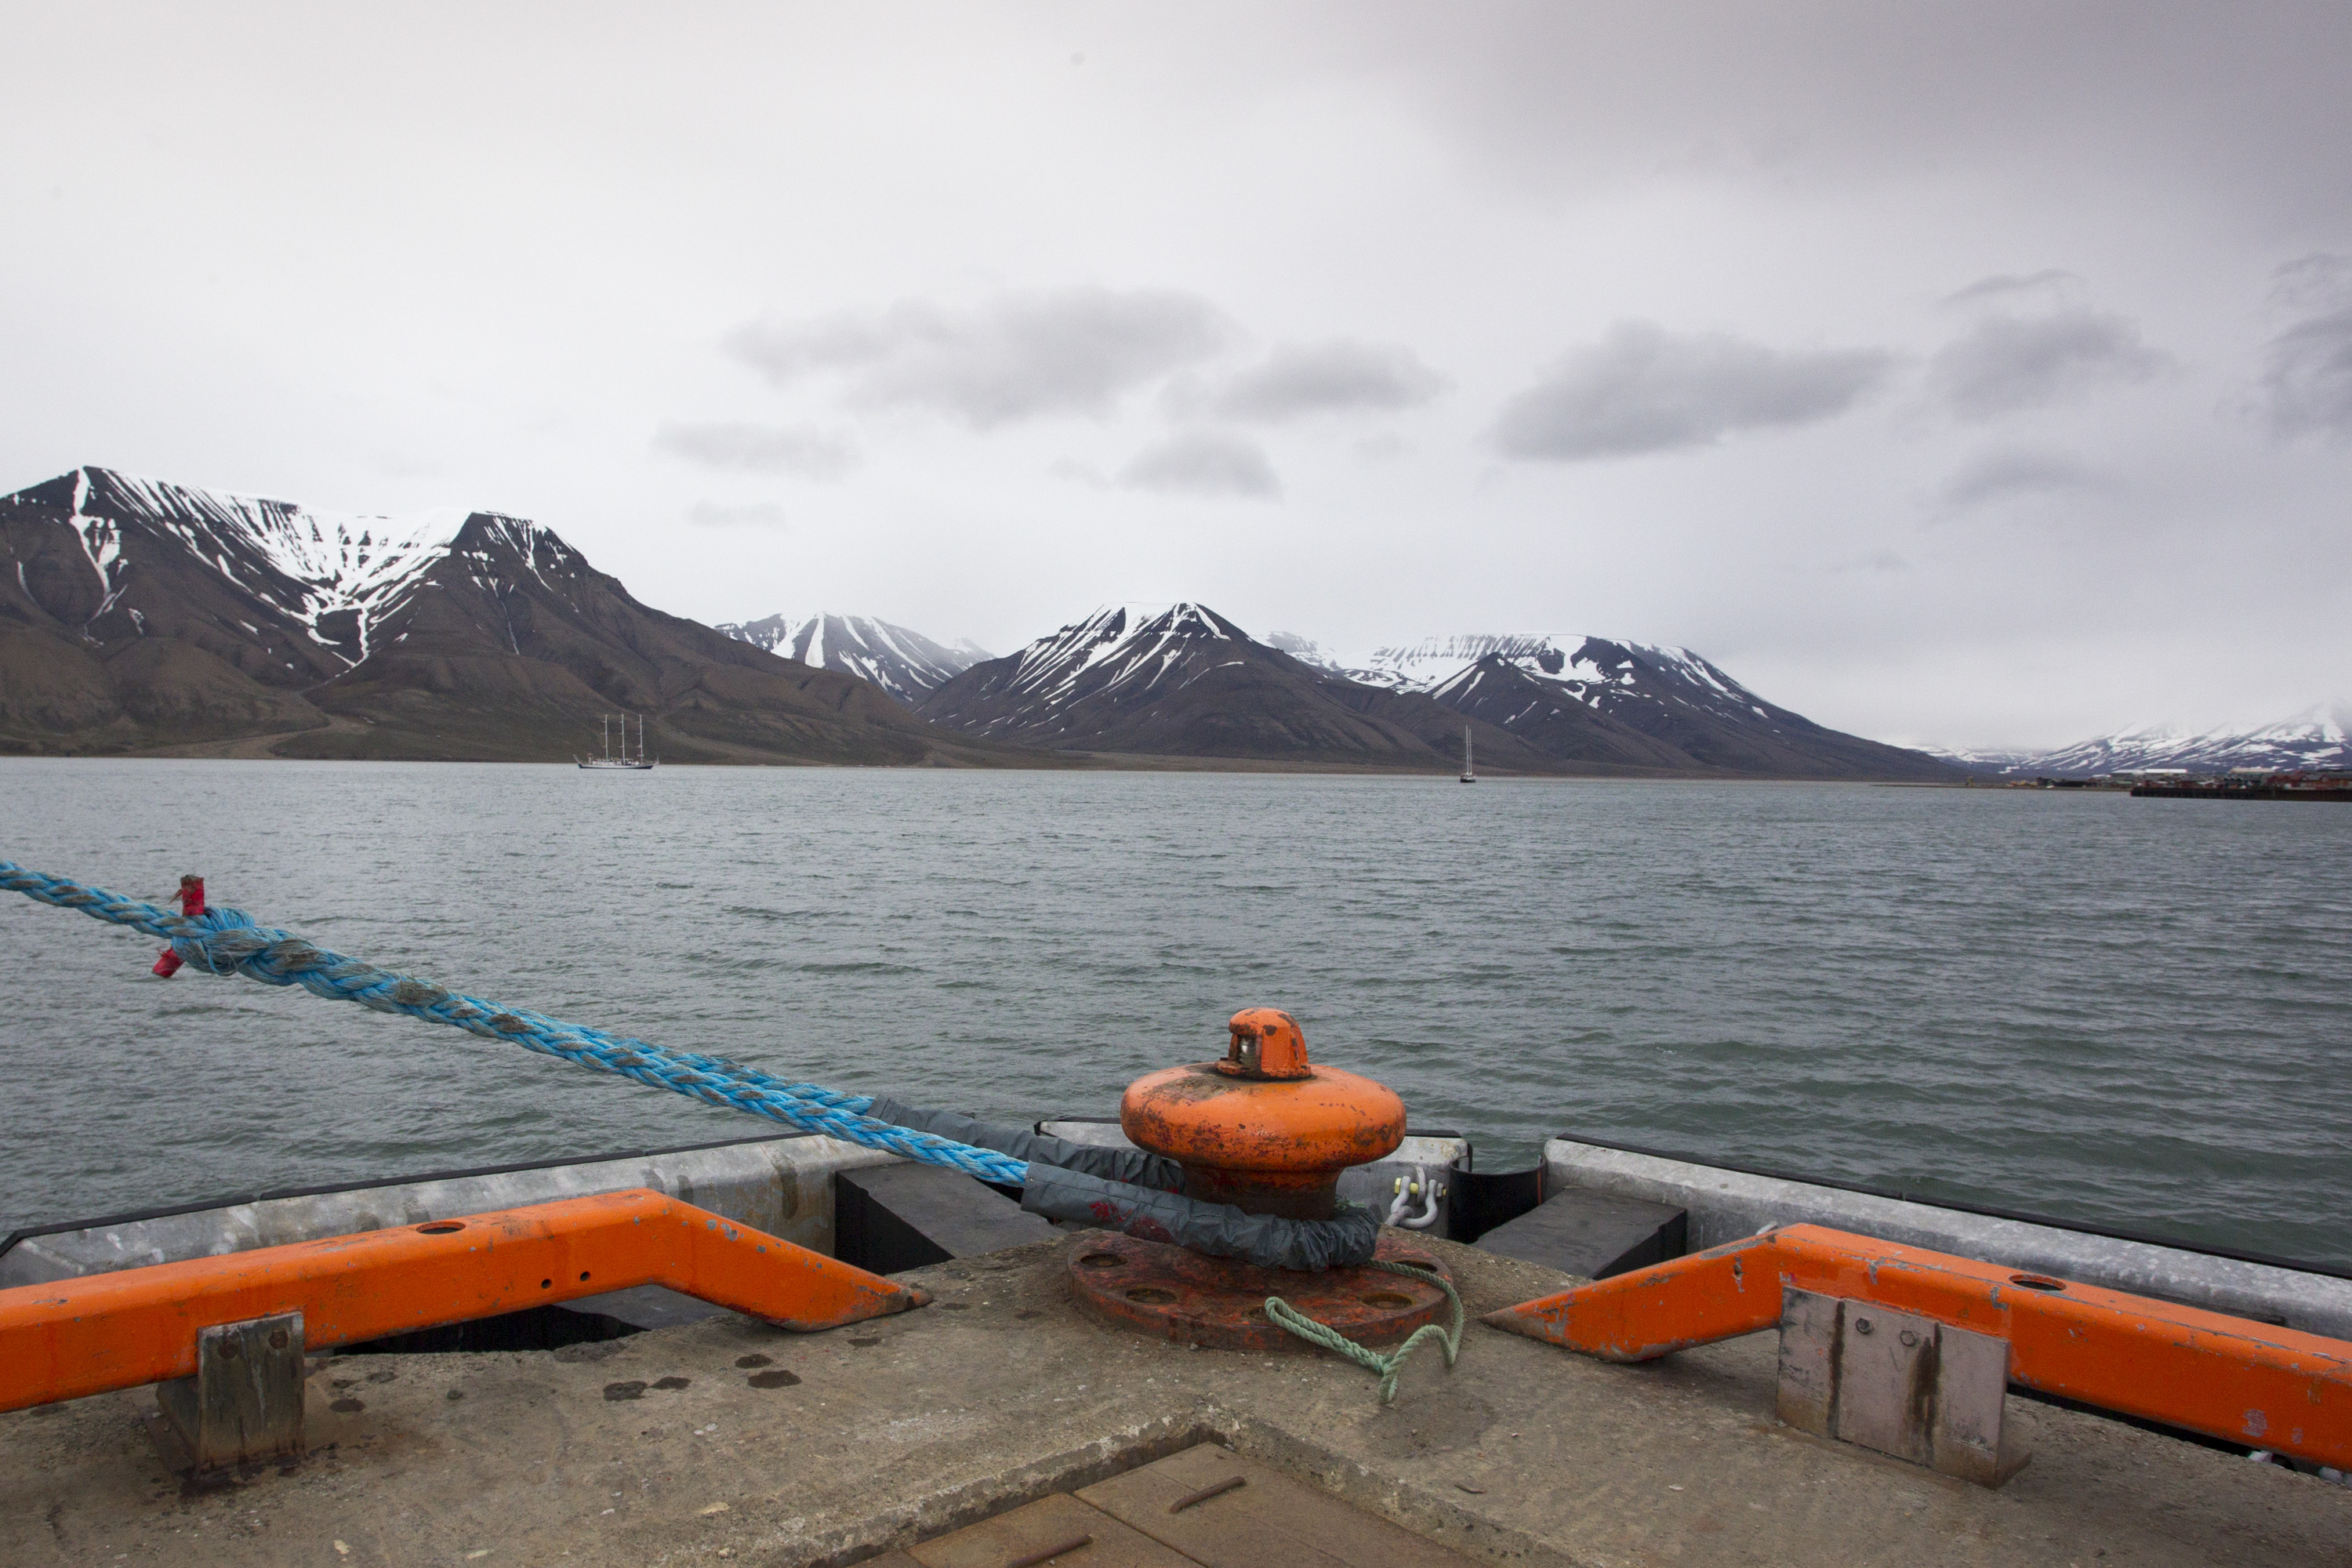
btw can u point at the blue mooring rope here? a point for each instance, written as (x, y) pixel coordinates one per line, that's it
(227, 942)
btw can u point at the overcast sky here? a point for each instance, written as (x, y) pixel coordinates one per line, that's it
(1979, 373)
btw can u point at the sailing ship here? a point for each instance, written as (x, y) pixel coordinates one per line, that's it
(635, 764)
(1469, 774)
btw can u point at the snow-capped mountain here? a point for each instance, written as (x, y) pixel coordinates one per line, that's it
(2315, 738)
(1665, 707)
(1182, 680)
(905, 664)
(136, 613)
(325, 576)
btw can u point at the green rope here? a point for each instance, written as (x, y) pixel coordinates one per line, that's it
(1388, 1365)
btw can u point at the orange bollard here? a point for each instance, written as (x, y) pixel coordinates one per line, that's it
(2228, 1377)
(76, 1337)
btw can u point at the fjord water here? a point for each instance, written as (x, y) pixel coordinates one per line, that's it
(2127, 1011)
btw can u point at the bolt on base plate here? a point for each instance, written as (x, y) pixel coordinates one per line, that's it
(1163, 1290)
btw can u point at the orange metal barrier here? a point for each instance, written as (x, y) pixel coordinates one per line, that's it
(2229, 1377)
(76, 1337)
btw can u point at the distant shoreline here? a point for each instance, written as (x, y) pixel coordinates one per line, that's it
(1050, 762)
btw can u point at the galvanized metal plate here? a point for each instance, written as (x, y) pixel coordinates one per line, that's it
(1190, 1502)
(1164, 1290)
(1060, 1530)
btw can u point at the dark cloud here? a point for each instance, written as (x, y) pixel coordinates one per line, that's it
(1644, 389)
(2014, 473)
(2008, 362)
(2008, 287)
(735, 515)
(1339, 376)
(2306, 388)
(1019, 356)
(1203, 462)
(760, 448)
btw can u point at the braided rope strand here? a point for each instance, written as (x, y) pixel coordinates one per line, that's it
(226, 941)
(1390, 1365)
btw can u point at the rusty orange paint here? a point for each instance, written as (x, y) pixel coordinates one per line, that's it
(1266, 1144)
(1266, 1042)
(77, 1337)
(2228, 1377)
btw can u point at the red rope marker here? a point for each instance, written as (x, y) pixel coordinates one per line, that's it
(191, 899)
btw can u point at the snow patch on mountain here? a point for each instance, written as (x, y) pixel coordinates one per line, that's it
(1118, 650)
(905, 664)
(1596, 671)
(334, 563)
(1137, 643)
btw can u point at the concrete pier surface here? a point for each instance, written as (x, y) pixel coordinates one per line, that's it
(725, 1440)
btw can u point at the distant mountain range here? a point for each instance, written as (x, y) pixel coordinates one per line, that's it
(142, 616)
(2315, 738)
(1585, 699)
(1185, 681)
(137, 614)
(905, 664)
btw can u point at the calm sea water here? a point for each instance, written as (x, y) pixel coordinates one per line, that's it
(2127, 1011)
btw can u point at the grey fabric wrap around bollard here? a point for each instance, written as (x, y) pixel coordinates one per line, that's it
(1213, 1230)
(1134, 1166)
(1135, 1191)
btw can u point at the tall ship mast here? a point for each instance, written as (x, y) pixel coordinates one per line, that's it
(640, 763)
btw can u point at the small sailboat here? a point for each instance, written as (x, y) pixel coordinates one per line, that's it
(635, 764)
(1469, 774)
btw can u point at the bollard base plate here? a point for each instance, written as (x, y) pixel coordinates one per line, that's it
(1163, 1290)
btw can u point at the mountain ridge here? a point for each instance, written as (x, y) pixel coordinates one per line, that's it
(1589, 700)
(1183, 680)
(2317, 737)
(903, 662)
(137, 614)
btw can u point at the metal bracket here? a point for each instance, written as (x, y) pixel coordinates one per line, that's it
(1899, 1383)
(245, 1403)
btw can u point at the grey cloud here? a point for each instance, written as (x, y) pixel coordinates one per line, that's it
(1643, 389)
(1203, 462)
(1335, 377)
(2317, 281)
(2007, 287)
(735, 515)
(2306, 388)
(2014, 473)
(1019, 356)
(760, 448)
(2009, 361)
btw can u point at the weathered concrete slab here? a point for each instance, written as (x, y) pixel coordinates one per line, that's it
(1223, 1511)
(729, 1438)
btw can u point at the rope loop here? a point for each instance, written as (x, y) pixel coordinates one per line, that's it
(1390, 1365)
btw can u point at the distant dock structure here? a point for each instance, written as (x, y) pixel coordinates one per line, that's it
(2248, 783)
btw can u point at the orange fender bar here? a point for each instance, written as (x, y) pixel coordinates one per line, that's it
(76, 1337)
(2228, 1377)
